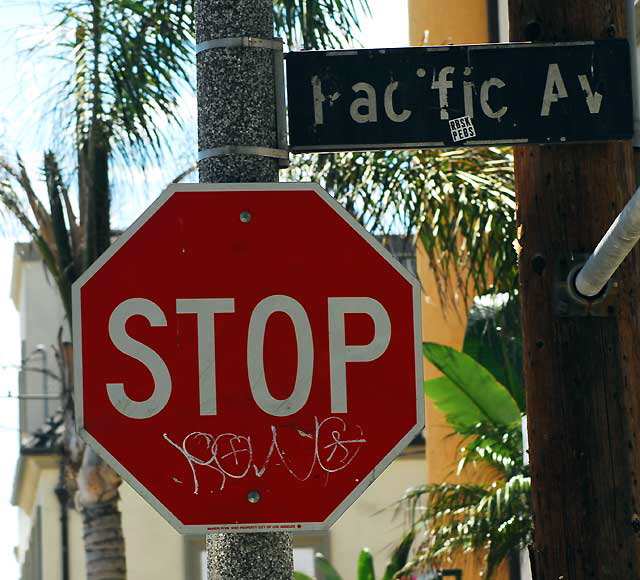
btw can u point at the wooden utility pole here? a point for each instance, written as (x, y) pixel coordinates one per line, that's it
(237, 138)
(582, 372)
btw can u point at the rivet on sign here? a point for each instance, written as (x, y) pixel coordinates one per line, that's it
(253, 497)
(245, 217)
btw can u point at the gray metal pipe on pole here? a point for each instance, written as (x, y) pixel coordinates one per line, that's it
(614, 247)
(238, 142)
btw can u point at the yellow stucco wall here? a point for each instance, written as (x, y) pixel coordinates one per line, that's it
(48, 502)
(448, 21)
(144, 527)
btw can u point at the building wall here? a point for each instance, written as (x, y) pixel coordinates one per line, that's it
(49, 507)
(436, 22)
(448, 22)
(41, 316)
(39, 547)
(153, 548)
(365, 525)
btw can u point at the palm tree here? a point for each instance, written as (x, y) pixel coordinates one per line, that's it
(127, 63)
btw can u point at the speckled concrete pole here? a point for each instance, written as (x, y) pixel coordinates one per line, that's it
(236, 106)
(236, 90)
(249, 556)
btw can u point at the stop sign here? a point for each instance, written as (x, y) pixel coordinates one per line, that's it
(247, 357)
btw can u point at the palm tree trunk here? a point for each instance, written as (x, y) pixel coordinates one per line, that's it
(95, 164)
(104, 544)
(103, 538)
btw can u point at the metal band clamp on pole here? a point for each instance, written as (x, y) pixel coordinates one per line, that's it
(240, 42)
(275, 44)
(242, 150)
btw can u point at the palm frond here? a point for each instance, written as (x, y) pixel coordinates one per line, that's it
(460, 518)
(315, 24)
(493, 517)
(128, 61)
(21, 176)
(11, 202)
(498, 446)
(458, 203)
(494, 339)
(67, 263)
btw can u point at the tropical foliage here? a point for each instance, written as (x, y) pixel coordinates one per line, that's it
(366, 569)
(494, 339)
(492, 516)
(459, 203)
(315, 24)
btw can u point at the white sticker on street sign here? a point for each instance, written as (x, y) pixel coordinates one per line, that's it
(461, 128)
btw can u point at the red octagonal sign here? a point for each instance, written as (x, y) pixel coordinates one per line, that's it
(248, 357)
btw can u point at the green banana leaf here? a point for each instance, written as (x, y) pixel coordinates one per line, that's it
(365, 565)
(468, 393)
(327, 571)
(399, 557)
(494, 339)
(301, 576)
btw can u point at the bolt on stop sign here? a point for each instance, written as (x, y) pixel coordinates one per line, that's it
(248, 357)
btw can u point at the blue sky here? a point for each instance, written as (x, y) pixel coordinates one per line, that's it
(23, 23)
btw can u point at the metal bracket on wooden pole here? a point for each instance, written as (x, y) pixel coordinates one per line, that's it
(569, 302)
(592, 279)
(275, 44)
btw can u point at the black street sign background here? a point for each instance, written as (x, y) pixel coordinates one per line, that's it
(405, 97)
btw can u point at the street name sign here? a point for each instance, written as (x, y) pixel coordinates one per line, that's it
(444, 96)
(247, 357)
